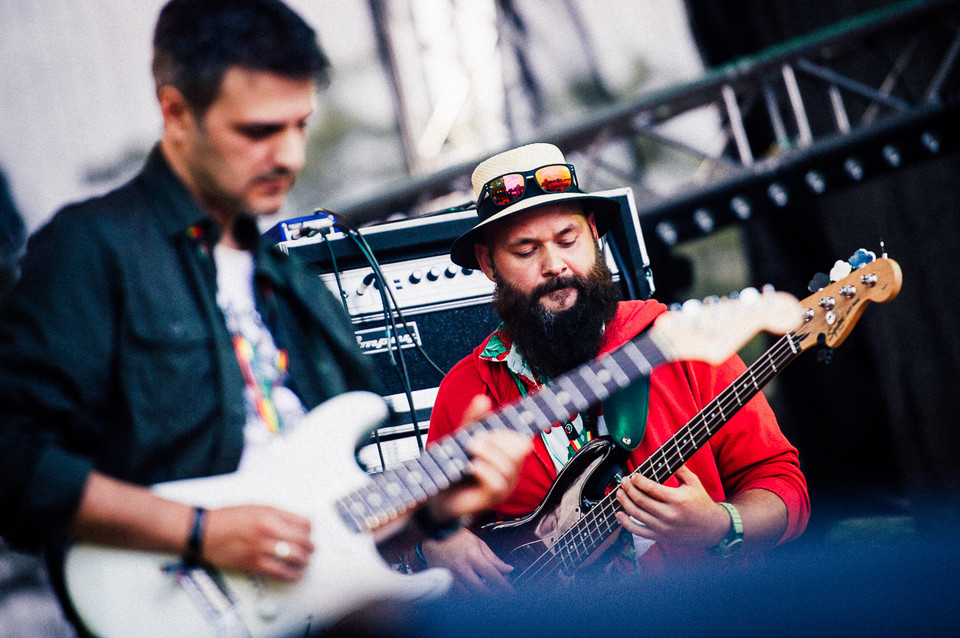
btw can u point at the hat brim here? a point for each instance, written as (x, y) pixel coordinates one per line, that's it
(605, 211)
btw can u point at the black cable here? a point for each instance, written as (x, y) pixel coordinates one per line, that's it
(368, 253)
(324, 232)
(336, 271)
(390, 323)
(395, 306)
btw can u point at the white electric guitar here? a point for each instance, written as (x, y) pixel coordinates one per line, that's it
(119, 592)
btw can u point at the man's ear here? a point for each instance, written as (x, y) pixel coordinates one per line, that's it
(592, 223)
(485, 259)
(178, 117)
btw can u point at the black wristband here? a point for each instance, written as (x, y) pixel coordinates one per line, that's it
(435, 529)
(195, 540)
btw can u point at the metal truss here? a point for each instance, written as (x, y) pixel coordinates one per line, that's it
(833, 109)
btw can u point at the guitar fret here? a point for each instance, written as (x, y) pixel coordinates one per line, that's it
(360, 510)
(412, 480)
(535, 413)
(590, 377)
(430, 467)
(382, 507)
(552, 409)
(395, 489)
(619, 376)
(454, 459)
(633, 352)
(516, 421)
(578, 401)
(662, 467)
(494, 422)
(354, 522)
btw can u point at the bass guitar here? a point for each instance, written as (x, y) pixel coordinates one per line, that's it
(576, 522)
(118, 592)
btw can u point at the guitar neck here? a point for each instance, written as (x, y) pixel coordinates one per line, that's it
(678, 449)
(446, 461)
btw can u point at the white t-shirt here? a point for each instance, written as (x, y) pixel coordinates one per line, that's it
(235, 296)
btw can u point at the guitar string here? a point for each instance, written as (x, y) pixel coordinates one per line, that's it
(607, 507)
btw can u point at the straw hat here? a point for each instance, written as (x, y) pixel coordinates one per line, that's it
(519, 160)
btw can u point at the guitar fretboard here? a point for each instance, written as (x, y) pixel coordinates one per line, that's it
(587, 535)
(446, 461)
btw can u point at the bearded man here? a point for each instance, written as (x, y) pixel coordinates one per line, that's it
(538, 239)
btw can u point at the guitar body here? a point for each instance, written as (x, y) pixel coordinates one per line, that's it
(128, 593)
(526, 542)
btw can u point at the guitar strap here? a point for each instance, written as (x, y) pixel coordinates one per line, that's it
(625, 414)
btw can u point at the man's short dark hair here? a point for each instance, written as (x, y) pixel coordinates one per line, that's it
(197, 41)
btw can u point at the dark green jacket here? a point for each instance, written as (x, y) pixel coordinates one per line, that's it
(115, 356)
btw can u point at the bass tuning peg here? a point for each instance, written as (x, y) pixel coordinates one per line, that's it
(861, 258)
(819, 282)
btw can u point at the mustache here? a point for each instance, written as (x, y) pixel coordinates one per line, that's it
(276, 173)
(570, 281)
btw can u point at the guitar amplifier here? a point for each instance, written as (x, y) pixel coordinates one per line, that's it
(437, 312)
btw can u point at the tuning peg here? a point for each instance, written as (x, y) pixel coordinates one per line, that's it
(692, 306)
(749, 295)
(840, 270)
(861, 258)
(819, 282)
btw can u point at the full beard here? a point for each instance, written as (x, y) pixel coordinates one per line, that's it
(555, 342)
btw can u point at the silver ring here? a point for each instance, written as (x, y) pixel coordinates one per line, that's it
(282, 550)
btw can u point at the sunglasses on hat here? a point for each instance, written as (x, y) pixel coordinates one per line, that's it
(509, 188)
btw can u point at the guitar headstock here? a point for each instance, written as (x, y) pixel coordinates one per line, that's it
(714, 330)
(834, 310)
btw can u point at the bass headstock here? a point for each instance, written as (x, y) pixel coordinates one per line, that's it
(830, 313)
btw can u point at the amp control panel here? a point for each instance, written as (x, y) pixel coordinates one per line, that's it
(424, 283)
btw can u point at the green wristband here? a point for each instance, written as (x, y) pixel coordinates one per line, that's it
(733, 541)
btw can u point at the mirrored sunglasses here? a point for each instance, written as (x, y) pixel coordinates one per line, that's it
(509, 188)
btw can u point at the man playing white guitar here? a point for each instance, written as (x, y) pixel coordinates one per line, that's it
(153, 337)
(537, 238)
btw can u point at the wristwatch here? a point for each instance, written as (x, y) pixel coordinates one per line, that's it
(733, 541)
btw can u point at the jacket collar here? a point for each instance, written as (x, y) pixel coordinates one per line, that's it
(180, 210)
